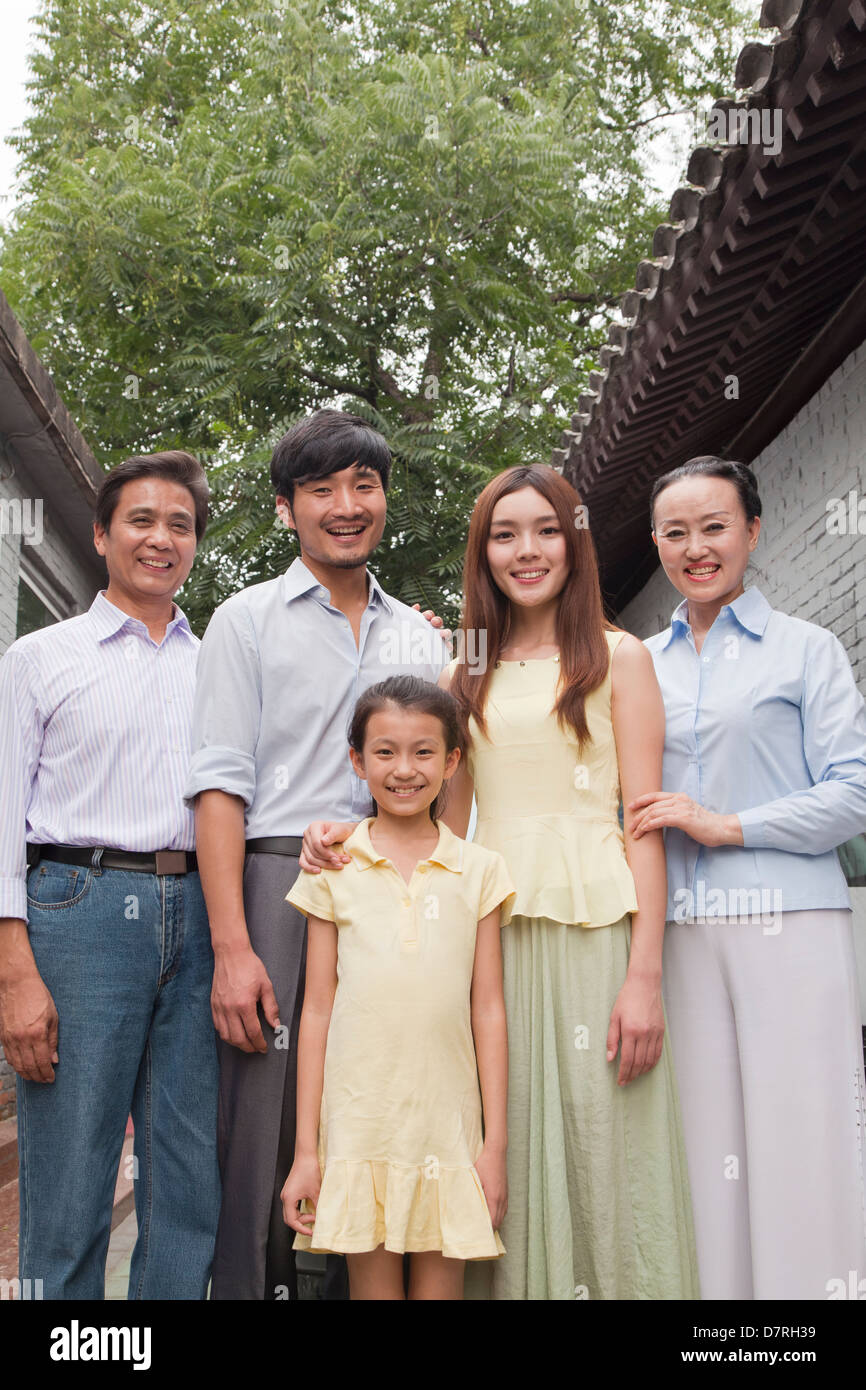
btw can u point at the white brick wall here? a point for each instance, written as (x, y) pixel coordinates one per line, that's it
(799, 565)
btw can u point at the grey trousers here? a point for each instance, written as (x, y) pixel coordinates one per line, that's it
(257, 1093)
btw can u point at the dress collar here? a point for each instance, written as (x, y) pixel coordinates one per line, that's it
(448, 851)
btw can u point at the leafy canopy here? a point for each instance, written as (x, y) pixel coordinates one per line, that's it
(234, 213)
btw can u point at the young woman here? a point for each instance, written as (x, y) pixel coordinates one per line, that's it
(764, 774)
(402, 1036)
(564, 712)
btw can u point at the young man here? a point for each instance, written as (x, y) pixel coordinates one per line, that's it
(105, 957)
(281, 666)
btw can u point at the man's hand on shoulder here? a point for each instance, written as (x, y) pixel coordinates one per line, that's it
(317, 853)
(434, 621)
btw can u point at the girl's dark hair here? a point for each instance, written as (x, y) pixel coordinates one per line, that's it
(410, 693)
(710, 466)
(173, 464)
(327, 442)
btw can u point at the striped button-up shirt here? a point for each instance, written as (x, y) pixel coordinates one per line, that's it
(95, 724)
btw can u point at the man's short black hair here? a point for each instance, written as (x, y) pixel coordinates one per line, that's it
(327, 442)
(173, 464)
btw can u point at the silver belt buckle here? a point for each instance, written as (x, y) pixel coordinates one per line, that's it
(171, 861)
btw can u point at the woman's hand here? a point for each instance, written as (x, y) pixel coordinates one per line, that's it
(303, 1182)
(319, 835)
(490, 1167)
(638, 1022)
(659, 809)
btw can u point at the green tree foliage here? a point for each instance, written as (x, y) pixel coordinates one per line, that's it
(415, 209)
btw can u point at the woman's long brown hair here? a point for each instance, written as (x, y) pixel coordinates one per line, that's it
(580, 620)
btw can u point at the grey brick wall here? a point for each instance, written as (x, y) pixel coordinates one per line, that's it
(799, 565)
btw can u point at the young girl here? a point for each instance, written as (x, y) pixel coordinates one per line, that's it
(403, 1017)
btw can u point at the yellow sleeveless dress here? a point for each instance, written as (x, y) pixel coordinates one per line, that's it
(598, 1203)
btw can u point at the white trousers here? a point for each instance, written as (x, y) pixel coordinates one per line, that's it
(764, 1023)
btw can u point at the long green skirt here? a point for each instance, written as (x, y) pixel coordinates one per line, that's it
(598, 1194)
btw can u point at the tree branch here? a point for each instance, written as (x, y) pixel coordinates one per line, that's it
(339, 383)
(477, 35)
(573, 296)
(382, 378)
(659, 116)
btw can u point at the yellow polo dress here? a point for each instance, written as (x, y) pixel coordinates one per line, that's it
(401, 1123)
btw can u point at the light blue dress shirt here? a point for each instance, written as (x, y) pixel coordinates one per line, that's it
(94, 739)
(279, 675)
(766, 721)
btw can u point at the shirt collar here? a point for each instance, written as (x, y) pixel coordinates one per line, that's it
(448, 851)
(298, 580)
(108, 619)
(751, 610)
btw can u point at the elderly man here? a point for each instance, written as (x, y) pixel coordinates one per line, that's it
(105, 956)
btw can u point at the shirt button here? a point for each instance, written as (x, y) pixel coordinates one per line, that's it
(523, 663)
(407, 902)
(422, 868)
(706, 661)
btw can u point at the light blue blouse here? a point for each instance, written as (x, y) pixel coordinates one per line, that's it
(766, 721)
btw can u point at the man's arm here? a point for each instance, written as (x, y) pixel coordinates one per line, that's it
(222, 782)
(240, 979)
(28, 1018)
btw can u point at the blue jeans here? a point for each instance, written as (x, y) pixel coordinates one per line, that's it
(127, 958)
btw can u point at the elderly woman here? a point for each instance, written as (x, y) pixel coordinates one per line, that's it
(764, 775)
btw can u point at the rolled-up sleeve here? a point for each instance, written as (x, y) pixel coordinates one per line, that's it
(21, 729)
(823, 816)
(227, 709)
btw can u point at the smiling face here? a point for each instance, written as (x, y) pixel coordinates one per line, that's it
(704, 539)
(405, 760)
(150, 543)
(526, 549)
(339, 518)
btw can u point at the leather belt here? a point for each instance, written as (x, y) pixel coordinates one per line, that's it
(276, 844)
(161, 861)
